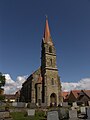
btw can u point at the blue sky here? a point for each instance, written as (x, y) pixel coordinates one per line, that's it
(21, 31)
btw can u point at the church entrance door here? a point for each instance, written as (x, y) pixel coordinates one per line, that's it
(53, 99)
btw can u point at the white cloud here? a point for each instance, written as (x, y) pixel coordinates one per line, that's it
(12, 86)
(20, 80)
(9, 81)
(80, 85)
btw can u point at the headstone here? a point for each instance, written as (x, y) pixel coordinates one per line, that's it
(89, 103)
(32, 105)
(4, 114)
(43, 105)
(0, 103)
(88, 113)
(26, 105)
(61, 104)
(14, 104)
(20, 104)
(73, 108)
(65, 104)
(83, 110)
(72, 113)
(37, 104)
(52, 115)
(31, 112)
(74, 104)
(64, 113)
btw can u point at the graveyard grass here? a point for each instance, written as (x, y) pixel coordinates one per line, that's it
(24, 116)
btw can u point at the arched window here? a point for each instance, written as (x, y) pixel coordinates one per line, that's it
(50, 61)
(50, 49)
(52, 81)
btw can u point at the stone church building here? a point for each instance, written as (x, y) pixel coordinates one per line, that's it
(43, 86)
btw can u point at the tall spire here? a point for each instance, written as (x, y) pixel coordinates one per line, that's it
(47, 35)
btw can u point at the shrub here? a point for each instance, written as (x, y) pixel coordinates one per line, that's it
(40, 113)
(2, 97)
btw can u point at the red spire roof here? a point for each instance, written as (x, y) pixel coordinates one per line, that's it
(47, 36)
(46, 31)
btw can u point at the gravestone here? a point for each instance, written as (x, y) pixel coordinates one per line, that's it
(72, 113)
(26, 105)
(74, 104)
(65, 104)
(31, 112)
(4, 114)
(0, 103)
(72, 108)
(88, 113)
(20, 104)
(61, 104)
(14, 104)
(52, 115)
(64, 113)
(43, 105)
(89, 103)
(32, 105)
(37, 104)
(83, 110)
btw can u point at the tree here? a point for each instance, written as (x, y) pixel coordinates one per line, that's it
(2, 97)
(2, 83)
(2, 80)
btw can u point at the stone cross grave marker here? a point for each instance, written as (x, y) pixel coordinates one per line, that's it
(83, 110)
(74, 104)
(31, 112)
(52, 115)
(72, 113)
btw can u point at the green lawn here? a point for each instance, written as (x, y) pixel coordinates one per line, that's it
(23, 116)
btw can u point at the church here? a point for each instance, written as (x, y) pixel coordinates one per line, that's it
(43, 85)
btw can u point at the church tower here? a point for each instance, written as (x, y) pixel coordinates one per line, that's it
(51, 86)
